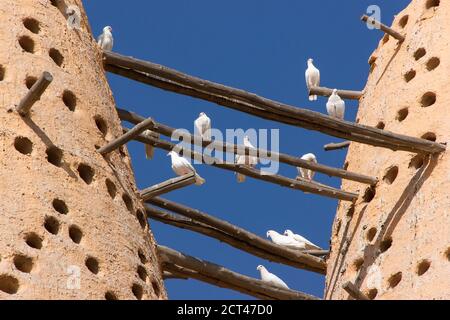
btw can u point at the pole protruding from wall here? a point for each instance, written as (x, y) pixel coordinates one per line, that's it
(354, 292)
(383, 27)
(344, 94)
(34, 94)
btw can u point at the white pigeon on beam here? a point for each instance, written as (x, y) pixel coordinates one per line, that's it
(203, 126)
(271, 279)
(149, 149)
(312, 75)
(106, 40)
(336, 106)
(247, 160)
(308, 245)
(181, 166)
(305, 173)
(284, 240)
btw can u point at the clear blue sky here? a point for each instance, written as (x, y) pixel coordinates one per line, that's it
(260, 46)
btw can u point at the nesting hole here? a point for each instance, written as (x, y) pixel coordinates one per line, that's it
(54, 156)
(380, 125)
(417, 162)
(32, 25)
(60, 206)
(402, 114)
(86, 173)
(2, 73)
(385, 245)
(128, 202)
(56, 56)
(101, 125)
(141, 218)
(423, 267)
(33, 241)
(138, 291)
(430, 136)
(433, 63)
(358, 263)
(395, 279)
(30, 81)
(346, 164)
(27, 44)
(372, 293)
(9, 284)
(428, 99)
(370, 235)
(110, 296)
(51, 224)
(142, 257)
(403, 21)
(351, 211)
(92, 265)
(142, 273)
(447, 254)
(433, 3)
(156, 288)
(369, 194)
(111, 187)
(411, 74)
(75, 234)
(391, 175)
(420, 53)
(23, 263)
(23, 145)
(70, 100)
(385, 38)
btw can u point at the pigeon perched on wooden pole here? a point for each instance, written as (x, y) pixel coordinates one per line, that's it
(308, 245)
(284, 240)
(305, 173)
(203, 126)
(106, 40)
(248, 160)
(181, 167)
(336, 106)
(312, 75)
(270, 278)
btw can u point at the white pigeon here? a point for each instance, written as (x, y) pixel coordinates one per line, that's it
(303, 241)
(203, 126)
(305, 173)
(149, 149)
(181, 166)
(312, 75)
(284, 240)
(270, 278)
(106, 40)
(248, 160)
(336, 106)
(73, 17)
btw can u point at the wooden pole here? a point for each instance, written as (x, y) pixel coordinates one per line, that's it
(215, 274)
(344, 94)
(129, 135)
(336, 146)
(169, 275)
(173, 80)
(354, 292)
(383, 28)
(301, 259)
(34, 94)
(242, 150)
(168, 186)
(297, 184)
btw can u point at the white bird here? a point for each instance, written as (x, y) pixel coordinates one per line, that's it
(248, 160)
(284, 240)
(73, 17)
(203, 126)
(149, 149)
(270, 278)
(305, 173)
(301, 240)
(336, 106)
(106, 40)
(181, 166)
(312, 75)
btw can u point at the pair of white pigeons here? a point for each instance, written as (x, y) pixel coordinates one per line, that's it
(335, 105)
(291, 240)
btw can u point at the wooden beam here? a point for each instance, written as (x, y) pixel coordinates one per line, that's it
(383, 28)
(336, 146)
(177, 263)
(34, 94)
(169, 275)
(354, 292)
(129, 135)
(294, 258)
(297, 184)
(172, 80)
(344, 94)
(168, 186)
(242, 150)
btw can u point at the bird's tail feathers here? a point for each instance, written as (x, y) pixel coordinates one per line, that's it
(313, 98)
(149, 151)
(199, 180)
